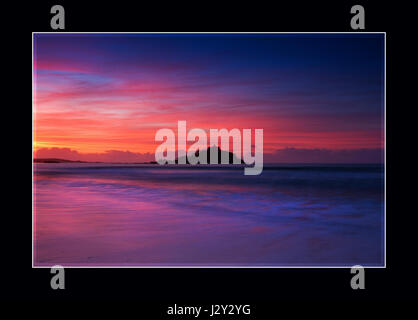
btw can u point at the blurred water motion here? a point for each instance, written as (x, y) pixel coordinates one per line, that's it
(148, 215)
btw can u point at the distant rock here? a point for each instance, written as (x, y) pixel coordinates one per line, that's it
(53, 160)
(206, 153)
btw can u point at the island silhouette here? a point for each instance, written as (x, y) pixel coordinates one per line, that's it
(231, 157)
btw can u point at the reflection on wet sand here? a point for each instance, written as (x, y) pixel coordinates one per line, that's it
(146, 215)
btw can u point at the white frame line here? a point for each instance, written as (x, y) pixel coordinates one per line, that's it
(203, 266)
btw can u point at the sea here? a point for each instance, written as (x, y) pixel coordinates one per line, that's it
(146, 215)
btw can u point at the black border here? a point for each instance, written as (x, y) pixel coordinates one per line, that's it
(154, 289)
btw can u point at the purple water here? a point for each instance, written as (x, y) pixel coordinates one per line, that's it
(147, 215)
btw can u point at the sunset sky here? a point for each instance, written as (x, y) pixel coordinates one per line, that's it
(102, 97)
